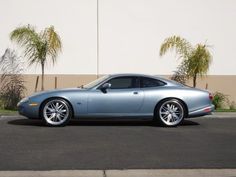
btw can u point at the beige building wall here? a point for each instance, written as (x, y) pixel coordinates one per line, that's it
(63, 81)
(222, 83)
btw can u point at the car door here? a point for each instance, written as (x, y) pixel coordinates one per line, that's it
(124, 97)
(153, 90)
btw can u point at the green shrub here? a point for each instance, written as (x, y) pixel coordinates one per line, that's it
(1, 104)
(11, 81)
(12, 93)
(219, 99)
(232, 105)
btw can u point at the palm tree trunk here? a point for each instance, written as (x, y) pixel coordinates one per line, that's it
(42, 86)
(194, 80)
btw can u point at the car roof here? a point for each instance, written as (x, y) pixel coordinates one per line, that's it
(137, 75)
(130, 74)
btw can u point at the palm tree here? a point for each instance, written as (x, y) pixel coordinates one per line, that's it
(39, 48)
(196, 59)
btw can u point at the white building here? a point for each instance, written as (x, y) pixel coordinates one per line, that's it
(125, 35)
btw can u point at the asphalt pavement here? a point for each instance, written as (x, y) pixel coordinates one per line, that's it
(208, 143)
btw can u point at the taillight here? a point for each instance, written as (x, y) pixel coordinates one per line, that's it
(210, 96)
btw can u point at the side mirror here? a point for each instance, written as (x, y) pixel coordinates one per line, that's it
(105, 87)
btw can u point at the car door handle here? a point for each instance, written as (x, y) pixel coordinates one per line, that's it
(135, 93)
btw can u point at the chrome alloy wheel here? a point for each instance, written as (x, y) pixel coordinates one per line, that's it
(171, 112)
(56, 112)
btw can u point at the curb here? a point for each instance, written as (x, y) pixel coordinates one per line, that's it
(222, 115)
(124, 173)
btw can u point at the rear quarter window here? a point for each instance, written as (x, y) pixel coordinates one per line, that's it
(150, 82)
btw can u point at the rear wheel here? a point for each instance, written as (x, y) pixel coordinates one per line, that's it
(56, 112)
(170, 113)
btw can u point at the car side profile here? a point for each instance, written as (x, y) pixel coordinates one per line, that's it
(120, 95)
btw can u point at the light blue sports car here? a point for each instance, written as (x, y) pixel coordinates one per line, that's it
(120, 95)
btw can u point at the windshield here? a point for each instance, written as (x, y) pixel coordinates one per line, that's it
(95, 82)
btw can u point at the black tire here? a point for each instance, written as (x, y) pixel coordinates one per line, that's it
(55, 121)
(159, 115)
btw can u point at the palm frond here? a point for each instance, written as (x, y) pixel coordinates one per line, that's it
(53, 42)
(182, 47)
(28, 38)
(24, 35)
(200, 60)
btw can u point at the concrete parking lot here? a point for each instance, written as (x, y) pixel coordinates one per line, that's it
(98, 145)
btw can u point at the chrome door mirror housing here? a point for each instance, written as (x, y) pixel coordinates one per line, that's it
(105, 86)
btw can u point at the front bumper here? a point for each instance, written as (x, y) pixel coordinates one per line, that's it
(27, 110)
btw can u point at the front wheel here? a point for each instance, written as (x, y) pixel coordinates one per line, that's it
(170, 113)
(56, 112)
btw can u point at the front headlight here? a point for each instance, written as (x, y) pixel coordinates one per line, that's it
(24, 100)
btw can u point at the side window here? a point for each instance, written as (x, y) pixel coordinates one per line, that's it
(150, 82)
(123, 83)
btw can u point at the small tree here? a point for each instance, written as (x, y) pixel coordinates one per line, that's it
(196, 59)
(12, 84)
(39, 47)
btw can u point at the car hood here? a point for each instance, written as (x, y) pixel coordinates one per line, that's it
(57, 91)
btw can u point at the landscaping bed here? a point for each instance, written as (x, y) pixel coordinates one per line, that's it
(8, 112)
